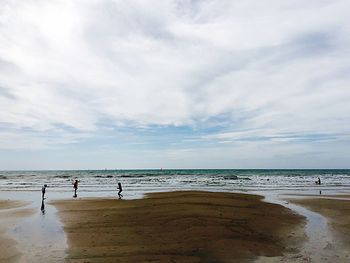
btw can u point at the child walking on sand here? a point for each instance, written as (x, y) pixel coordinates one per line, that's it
(120, 190)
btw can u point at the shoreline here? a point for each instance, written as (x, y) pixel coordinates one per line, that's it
(337, 211)
(11, 212)
(30, 231)
(84, 213)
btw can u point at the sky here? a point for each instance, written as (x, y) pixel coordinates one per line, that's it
(94, 84)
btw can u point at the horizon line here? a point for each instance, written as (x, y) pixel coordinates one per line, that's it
(164, 169)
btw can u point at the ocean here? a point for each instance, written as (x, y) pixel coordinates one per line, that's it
(138, 182)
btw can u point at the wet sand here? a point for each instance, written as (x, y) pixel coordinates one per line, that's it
(178, 227)
(10, 213)
(336, 210)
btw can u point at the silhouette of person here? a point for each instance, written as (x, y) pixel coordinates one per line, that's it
(75, 186)
(318, 181)
(120, 190)
(43, 191)
(42, 208)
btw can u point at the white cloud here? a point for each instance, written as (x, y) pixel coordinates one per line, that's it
(273, 67)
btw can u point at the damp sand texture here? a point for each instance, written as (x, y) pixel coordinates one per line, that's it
(11, 212)
(177, 227)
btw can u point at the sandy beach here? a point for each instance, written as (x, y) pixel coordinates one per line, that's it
(178, 227)
(187, 226)
(10, 213)
(336, 209)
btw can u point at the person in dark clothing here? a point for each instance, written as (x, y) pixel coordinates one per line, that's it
(318, 181)
(43, 191)
(120, 190)
(75, 186)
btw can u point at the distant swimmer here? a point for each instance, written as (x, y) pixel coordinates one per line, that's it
(120, 190)
(43, 191)
(318, 181)
(75, 186)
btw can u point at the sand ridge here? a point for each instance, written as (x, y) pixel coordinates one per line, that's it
(177, 227)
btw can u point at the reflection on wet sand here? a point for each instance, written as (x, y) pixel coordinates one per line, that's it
(11, 212)
(42, 208)
(39, 236)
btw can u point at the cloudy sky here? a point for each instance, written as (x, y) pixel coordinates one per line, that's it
(174, 83)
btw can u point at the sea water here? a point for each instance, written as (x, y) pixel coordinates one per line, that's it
(139, 182)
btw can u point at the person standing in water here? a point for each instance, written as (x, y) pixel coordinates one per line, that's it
(43, 191)
(318, 181)
(75, 186)
(120, 190)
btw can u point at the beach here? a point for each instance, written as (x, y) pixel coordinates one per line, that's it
(178, 227)
(10, 213)
(189, 131)
(181, 226)
(260, 216)
(336, 209)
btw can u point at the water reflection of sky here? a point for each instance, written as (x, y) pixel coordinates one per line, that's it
(40, 236)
